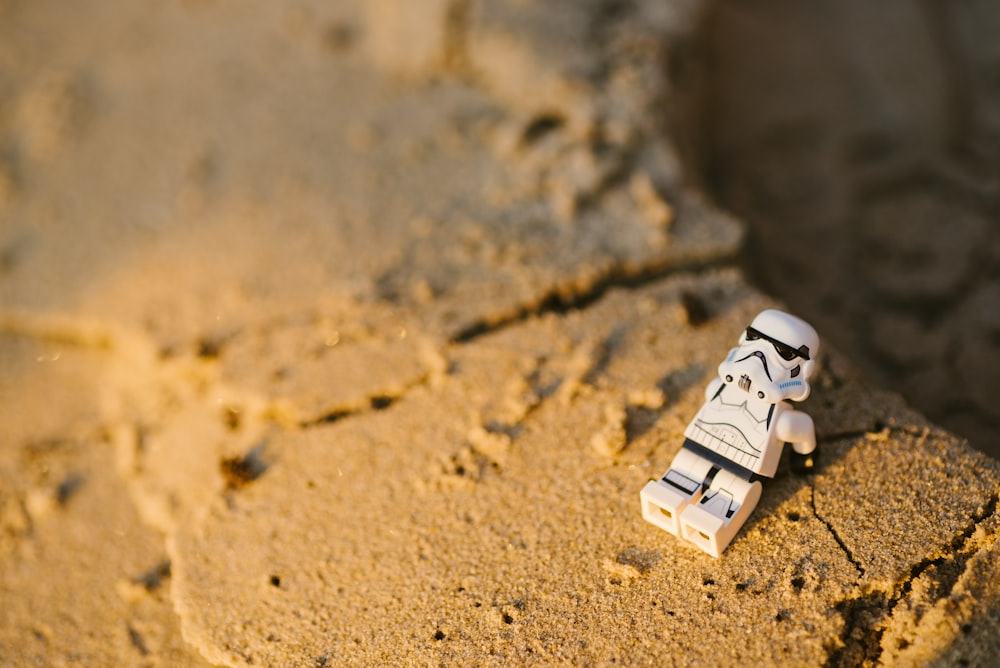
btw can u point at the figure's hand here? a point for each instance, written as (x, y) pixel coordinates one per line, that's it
(804, 464)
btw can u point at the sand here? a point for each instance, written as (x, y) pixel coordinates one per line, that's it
(348, 335)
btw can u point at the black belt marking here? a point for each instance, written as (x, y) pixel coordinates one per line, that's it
(719, 461)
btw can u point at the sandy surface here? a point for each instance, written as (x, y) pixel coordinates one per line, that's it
(348, 335)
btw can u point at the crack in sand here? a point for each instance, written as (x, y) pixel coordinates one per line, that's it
(375, 403)
(868, 616)
(573, 297)
(833, 532)
(138, 350)
(883, 432)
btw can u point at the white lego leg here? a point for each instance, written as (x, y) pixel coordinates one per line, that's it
(664, 500)
(713, 522)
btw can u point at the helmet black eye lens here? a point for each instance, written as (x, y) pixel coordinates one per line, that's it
(783, 349)
(786, 352)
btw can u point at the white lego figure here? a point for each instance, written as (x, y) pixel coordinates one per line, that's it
(712, 487)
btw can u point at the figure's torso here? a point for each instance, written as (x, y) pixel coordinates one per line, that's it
(740, 428)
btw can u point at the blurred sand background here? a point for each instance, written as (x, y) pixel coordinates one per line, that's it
(861, 145)
(347, 333)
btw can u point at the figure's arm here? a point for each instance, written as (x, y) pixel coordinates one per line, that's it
(712, 388)
(797, 428)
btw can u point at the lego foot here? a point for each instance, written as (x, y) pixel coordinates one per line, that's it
(662, 506)
(704, 529)
(714, 521)
(664, 500)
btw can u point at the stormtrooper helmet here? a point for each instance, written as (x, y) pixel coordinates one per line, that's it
(775, 358)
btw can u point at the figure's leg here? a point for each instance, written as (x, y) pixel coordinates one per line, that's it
(664, 500)
(720, 512)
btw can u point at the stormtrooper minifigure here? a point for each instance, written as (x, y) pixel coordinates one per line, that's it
(711, 487)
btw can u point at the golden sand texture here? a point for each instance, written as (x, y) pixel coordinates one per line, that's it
(348, 334)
